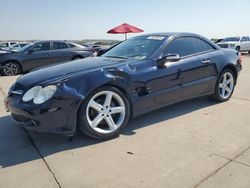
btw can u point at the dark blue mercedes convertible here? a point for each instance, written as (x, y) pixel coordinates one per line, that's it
(101, 94)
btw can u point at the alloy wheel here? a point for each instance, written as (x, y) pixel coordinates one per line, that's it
(105, 112)
(226, 85)
(10, 69)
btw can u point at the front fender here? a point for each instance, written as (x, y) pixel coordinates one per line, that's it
(78, 88)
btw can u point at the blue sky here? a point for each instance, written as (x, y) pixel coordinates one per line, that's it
(90, 19)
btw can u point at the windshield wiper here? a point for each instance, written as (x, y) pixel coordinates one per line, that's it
(121, 57)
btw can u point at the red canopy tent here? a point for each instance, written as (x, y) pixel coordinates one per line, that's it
(124, 29)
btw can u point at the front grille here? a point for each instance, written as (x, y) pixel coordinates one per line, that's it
(223, 45)
(16, 90)
(18, 86)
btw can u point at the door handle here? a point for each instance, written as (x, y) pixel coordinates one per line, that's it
(206, 62)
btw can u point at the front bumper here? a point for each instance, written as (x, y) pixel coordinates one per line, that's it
(54, 116)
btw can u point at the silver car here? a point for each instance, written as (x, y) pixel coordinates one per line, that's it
(5, 45)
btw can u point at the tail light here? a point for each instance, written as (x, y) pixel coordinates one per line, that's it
(240, 59)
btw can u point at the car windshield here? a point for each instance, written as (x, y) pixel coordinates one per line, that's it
(231, 39)
(26, 47)
(137, 48)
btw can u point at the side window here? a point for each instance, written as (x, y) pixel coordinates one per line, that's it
(187, 46)
(243, 39)
(247, 38)
(41, 47)
(205, 46)
(59, 45)
(179, 46)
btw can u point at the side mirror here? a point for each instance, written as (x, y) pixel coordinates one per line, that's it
(168, 58)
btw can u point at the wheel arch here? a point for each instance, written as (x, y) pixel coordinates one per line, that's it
(120, 88)
(110, 84)
(126, 94)
(232, 68)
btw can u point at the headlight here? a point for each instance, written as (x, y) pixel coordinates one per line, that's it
(29, 95)
(44, 94)
(231, 45)
(39, 94)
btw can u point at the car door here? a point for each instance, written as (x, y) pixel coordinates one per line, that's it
(37, 56)
(189, 77)
(60, 52)
(247, 43)
(243, 44)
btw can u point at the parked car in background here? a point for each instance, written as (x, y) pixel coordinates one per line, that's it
(215, 40)
(18, 46)
(241, 44)
(100, 51)
(218, 40)
(101, 94)
(5, 45)
(41, 54)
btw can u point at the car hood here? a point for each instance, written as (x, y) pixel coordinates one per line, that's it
(65, 70)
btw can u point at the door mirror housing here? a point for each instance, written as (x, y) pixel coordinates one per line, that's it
(169, 58)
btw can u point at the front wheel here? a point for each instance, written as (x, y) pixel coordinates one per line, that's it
(11, 68)
(225, 86)
(104, 113)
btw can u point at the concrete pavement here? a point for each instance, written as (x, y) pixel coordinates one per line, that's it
(197, 143)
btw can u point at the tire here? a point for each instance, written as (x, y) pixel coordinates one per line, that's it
(11, 68)
(224, 86)
(77, 57)
(249, 52)
(101, 119)
(237, 48)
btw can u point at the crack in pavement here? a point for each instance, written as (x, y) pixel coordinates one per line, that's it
(40, 154)
(231, 159)
(218, 169)
(35, 146)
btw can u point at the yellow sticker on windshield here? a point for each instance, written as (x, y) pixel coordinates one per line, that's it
(156, 37)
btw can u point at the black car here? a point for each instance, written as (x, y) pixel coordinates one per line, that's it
(101, 94)
(40, 54)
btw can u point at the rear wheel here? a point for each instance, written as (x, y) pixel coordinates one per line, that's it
(104, 113)
(225, 86)
(11, 68)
